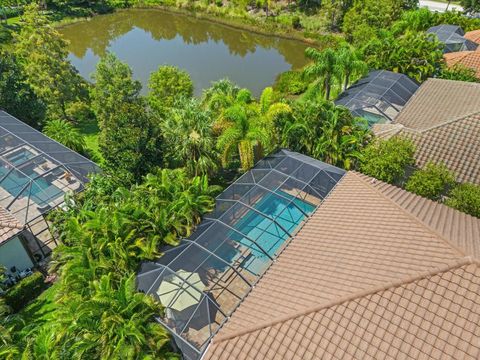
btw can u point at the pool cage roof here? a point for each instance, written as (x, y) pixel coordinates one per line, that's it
(452, 37)
(204, 279)
(36, 171)
(379, 96)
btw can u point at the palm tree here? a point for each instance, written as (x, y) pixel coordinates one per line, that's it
(350, 65)
(324, 68)
(188, 133)
(66, 134)
(244, 132)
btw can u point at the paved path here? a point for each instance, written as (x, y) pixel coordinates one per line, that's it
(438, 6)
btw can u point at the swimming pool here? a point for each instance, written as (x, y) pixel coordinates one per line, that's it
(270, 235)
(41, 192)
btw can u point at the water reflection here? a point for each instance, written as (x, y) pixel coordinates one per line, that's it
(146, 39)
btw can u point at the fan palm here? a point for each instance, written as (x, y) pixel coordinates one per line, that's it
(189, 136)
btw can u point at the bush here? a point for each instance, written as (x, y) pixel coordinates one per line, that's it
(290, 83)
(466, 198)
(433, 181)
(460, 73)
(387, 160)
(25, 291)
(296, 23)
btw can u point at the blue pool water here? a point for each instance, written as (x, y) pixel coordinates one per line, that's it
(41, 191)
(266, 233)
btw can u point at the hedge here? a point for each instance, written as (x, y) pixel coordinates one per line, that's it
(25, 291)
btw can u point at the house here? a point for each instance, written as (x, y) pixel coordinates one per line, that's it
(301, 260)
(453, 38)
(35, 174)
(443, 120)
(473, 36)
(467, 59)
(378, 97)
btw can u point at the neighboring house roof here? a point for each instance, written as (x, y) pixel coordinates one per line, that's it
(376, 272)
(468, 59)
(379, 96)
(9, 226)
(473, 36)
(443, 119)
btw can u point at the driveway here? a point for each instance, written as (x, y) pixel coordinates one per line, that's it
(438, 6)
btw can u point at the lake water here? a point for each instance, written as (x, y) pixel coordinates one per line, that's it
(146, 39)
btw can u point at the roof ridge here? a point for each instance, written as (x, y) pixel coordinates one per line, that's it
(448, 122)
(409, 214)
(453, 264)
(11, 225)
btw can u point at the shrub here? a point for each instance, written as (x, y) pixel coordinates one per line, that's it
(460, 73)
(290, 83)
(387, 160)
(433, 181)
(466, 198)
(296, 23)
(25, 291)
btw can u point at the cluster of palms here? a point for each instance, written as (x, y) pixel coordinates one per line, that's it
(229, 128)
(334, 69)
(98, 313)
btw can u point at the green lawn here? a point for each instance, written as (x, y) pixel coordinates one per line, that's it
(91, 131)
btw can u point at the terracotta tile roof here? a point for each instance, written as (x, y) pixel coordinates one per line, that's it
(363, 249)
(9, 226)
(469, 59)
(438, 101)
(473, 36)
(430, 316)
(443, 119)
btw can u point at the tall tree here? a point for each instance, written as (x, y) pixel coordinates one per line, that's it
(16, 96)
(43, 53)
(114, 86)
(188, 133)
(324, 68)
(130, 141)
(350, 65)
(166, 85)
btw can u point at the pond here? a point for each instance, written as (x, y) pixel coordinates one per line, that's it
(208, 51)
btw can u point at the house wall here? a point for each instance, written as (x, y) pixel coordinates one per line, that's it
(12, 253)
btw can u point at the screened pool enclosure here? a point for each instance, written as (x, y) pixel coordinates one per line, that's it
(35, 174)
(452, 37)
(204, 279)
(379, 96)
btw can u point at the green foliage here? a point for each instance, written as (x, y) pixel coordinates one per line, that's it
(325, 131)
(130, 141)
(460, 73)
(16, 96)
(376, 14)
(188, 136)
(66, 134)
(432, 181)
(105, 233)
(324, 68)
(290, 83)
(166, 85)
(114, 86)
(470, 6)
(42, 53)
(25, 291)
(466, 198)
(415, 54)
(388, 160)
